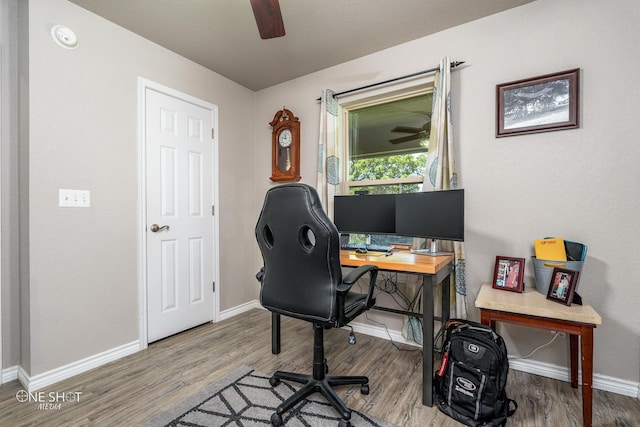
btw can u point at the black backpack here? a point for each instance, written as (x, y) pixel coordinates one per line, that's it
(470, 384)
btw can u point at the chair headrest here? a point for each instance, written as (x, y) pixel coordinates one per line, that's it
(300, 247)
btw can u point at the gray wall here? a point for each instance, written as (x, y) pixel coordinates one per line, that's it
(581, 184)
(80, 293)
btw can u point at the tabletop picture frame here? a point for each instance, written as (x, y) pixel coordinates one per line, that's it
(539, 104)
(562, 286)
(508, 274)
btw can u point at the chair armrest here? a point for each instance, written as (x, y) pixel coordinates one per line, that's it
(260, 275)
(357, 273)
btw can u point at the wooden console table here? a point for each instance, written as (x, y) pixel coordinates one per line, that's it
(532, 309)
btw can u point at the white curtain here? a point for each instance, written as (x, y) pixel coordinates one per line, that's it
(330, 151)
(440, 172)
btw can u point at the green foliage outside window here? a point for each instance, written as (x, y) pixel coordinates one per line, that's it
(387, 167)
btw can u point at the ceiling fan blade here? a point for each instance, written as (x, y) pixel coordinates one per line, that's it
(406, 129)
(420, 135)
(268, 18)
(405, 139)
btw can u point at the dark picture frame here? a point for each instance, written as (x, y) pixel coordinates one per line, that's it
(562, 286)
(539, 104)
(508, 274)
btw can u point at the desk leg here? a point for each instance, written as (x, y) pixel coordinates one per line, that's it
(427, 341)
(275, 333)
(445, 306)
(586, 348)
(573, 363)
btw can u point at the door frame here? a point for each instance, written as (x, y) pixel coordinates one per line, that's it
(2, 193)
(143, 85)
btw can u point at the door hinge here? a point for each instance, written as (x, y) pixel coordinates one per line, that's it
(213, 210)
(214, 286)
(213, 133)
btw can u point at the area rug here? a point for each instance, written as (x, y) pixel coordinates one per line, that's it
(244, 398)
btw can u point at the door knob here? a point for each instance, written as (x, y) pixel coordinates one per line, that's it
(155, 227)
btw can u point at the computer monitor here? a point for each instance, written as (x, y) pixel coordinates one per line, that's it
(365, 214)
(436, 215)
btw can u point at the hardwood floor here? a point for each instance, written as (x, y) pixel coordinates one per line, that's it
(132, 390)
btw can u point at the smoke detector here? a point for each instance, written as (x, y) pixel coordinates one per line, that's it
(64, 36)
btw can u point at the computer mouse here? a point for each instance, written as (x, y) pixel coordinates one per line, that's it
(361, 251)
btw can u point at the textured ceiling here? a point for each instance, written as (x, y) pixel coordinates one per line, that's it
(222, 36)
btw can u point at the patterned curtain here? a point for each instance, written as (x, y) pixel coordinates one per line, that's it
(330, 151)
(440, 173)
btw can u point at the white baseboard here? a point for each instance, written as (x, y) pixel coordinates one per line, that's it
(380, 332)
(9, 374)
(600, 382)
(36, 382)
(242, 308)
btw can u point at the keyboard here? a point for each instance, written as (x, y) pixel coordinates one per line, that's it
(370, 247)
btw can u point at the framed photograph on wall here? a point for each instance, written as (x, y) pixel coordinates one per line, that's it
(563, 285)
(538, 104)
(508, 274)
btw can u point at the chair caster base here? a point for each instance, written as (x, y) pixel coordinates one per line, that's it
(344, 423)
(276, 420)
(274, 381)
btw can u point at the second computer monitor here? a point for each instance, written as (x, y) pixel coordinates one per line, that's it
(431, 214)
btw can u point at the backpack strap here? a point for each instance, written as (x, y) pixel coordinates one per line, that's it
(509, 411)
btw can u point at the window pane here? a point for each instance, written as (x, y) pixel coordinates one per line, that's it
(389, 168)
(390, 128)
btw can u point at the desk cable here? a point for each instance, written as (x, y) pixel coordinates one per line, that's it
(388, 285)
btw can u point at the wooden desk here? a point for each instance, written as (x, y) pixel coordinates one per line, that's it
(434, 271)
(532, 309)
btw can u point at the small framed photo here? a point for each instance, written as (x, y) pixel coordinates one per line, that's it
(563, 285)
(538, 104)
(508, 274)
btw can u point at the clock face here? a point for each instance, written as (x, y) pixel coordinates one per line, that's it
(285, 139)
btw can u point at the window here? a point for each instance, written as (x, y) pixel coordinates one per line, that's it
(387, 140)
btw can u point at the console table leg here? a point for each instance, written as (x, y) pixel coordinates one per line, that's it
(573, 353)
(485, 319)
(586, 348)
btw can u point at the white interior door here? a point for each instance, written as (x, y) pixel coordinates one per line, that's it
(179, 214)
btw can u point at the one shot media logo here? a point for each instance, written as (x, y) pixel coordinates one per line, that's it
(53, 400)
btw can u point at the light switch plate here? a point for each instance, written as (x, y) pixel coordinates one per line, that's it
(74, 198)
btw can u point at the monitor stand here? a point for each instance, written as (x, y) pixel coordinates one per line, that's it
(432, 251)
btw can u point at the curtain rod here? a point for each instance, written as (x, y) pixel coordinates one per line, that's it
(454, 64)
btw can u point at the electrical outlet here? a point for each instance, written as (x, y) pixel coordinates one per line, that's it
(74, 198)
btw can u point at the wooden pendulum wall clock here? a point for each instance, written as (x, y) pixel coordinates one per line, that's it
(285, 146)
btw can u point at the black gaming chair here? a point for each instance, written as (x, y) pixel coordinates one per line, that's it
(302, 278)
